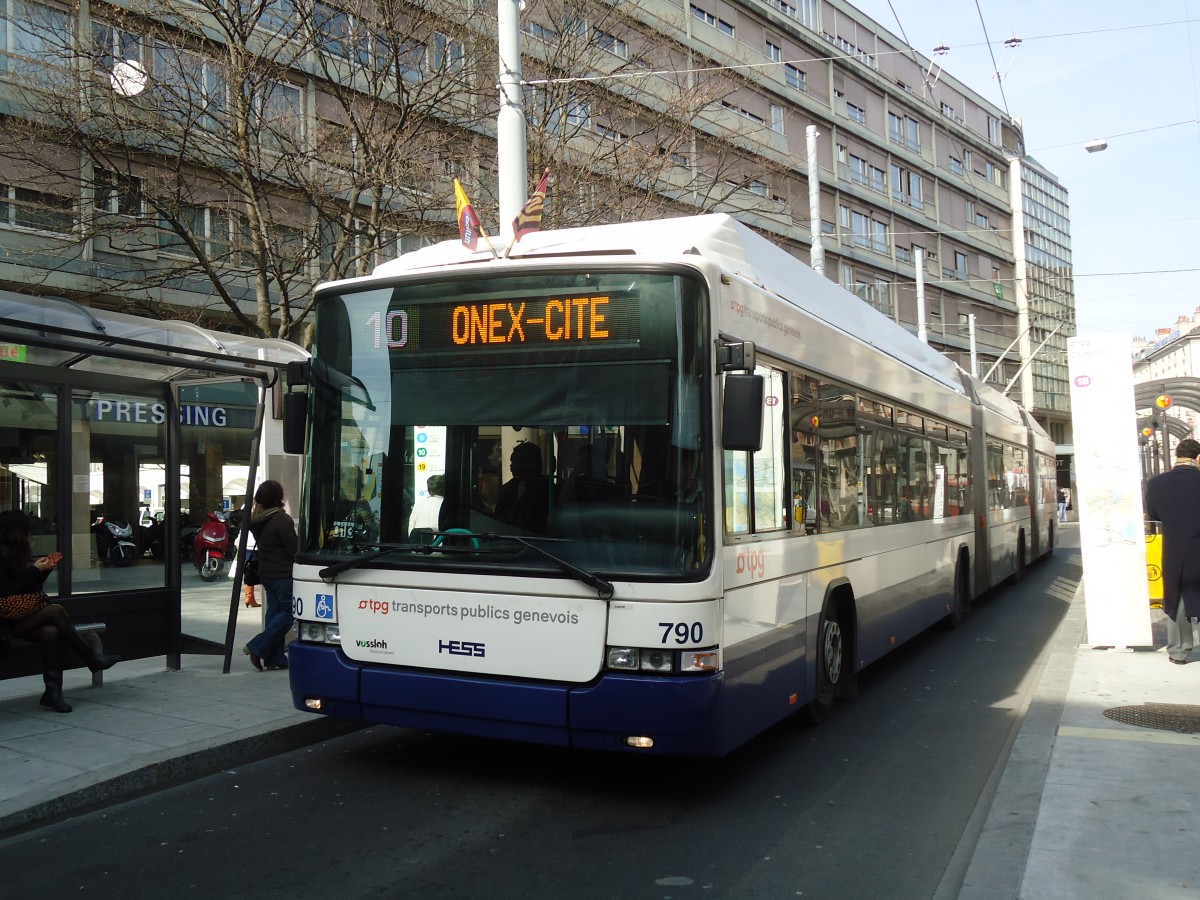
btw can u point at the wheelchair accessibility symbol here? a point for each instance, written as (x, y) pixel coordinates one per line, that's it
(325, 606)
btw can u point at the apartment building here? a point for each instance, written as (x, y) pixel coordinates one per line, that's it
(227, 157)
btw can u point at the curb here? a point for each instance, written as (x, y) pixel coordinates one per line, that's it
(166, 769)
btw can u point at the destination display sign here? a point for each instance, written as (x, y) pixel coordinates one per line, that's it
(519, 323)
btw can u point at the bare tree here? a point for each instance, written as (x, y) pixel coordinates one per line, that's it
(188, 134)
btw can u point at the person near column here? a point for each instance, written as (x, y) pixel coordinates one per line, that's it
(1064, 497)
(275, 539)
(1173, 498)
(28, 613)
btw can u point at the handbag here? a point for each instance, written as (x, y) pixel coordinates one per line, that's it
(16, 607)
(250, 574)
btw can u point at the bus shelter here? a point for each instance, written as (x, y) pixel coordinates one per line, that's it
(108, 417)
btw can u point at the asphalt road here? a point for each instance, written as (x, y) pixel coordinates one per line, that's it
(872, 804)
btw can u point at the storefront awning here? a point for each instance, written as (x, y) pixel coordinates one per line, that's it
(57, 332)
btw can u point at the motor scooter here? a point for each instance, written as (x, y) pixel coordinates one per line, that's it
(212, 544)
(114, 541)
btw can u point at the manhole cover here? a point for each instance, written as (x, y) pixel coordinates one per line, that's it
(1178, 717)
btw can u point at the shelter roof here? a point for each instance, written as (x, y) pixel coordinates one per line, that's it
(57, 332)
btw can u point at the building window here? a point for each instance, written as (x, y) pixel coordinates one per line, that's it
(709, 19)
(956, 166)
(448, 54)
(189, 87)
(795, 77)
(960, 265)
(41, 211)
(907, 187)
(773, 52)
(37, 41)
(610, 43)
(858, 169)
(855, 112)
(777, 118)
(993, 130)
(334, 30)
(112, 45)
(904, 130)
(539, 32)
(280, 115)
(878, 180)
(579, 113)
(117, 192)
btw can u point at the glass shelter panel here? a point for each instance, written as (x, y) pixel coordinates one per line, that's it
(29, 462)
(120, 435)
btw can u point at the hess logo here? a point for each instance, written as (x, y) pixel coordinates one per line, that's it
(375, 606)
(461, 648)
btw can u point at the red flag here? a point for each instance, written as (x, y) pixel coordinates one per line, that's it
(530, 217)
(469, 228)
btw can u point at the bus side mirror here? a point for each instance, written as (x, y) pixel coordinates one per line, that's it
(295, 422)
(742, 412)
(295, 407)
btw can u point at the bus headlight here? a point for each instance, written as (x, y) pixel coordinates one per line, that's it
(664, 661)
(622, 658)
(320, 633)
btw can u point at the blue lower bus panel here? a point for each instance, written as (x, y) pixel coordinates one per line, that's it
(681, 715)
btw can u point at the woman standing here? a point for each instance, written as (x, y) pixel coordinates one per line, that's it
(275, 539)
(30, 615)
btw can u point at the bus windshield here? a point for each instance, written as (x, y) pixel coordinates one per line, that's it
(535, 423)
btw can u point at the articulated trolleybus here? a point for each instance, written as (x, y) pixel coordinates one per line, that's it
(649, 487)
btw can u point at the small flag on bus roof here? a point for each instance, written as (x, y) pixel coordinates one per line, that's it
(469, 227)
(530, 217)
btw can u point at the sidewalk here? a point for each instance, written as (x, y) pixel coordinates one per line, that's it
(1090, 805)
(147, 727)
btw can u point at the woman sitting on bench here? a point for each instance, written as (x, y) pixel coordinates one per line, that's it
(30, 614)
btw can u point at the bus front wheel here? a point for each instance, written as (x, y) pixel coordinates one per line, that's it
(831, 649)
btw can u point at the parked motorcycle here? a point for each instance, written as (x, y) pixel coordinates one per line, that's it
(150, 535)
(212, 545)
(114, 541)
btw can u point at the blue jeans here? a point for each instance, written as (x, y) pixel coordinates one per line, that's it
(268, 644)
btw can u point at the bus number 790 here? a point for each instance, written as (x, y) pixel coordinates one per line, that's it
(684, 633)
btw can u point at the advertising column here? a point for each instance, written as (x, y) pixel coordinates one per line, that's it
(1109, 491)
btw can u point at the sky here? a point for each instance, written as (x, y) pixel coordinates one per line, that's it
(1124, 72)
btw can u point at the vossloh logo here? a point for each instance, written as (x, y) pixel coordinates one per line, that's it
(373, 644)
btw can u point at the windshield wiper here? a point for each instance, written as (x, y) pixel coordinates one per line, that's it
(604, 589)
(327, 574)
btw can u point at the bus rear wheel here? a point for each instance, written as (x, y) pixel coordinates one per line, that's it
(961, 604)
(831, 657)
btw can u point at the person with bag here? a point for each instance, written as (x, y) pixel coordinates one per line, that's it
(275, 542)
(29, 614)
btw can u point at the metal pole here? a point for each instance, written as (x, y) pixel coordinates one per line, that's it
(1166, 444)
(510, 120)
(919, 259)
(817, 254)
(971, 335)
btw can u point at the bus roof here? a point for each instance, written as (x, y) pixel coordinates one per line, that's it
(717, 238)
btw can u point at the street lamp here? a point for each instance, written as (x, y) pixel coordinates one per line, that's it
(1096, 146)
